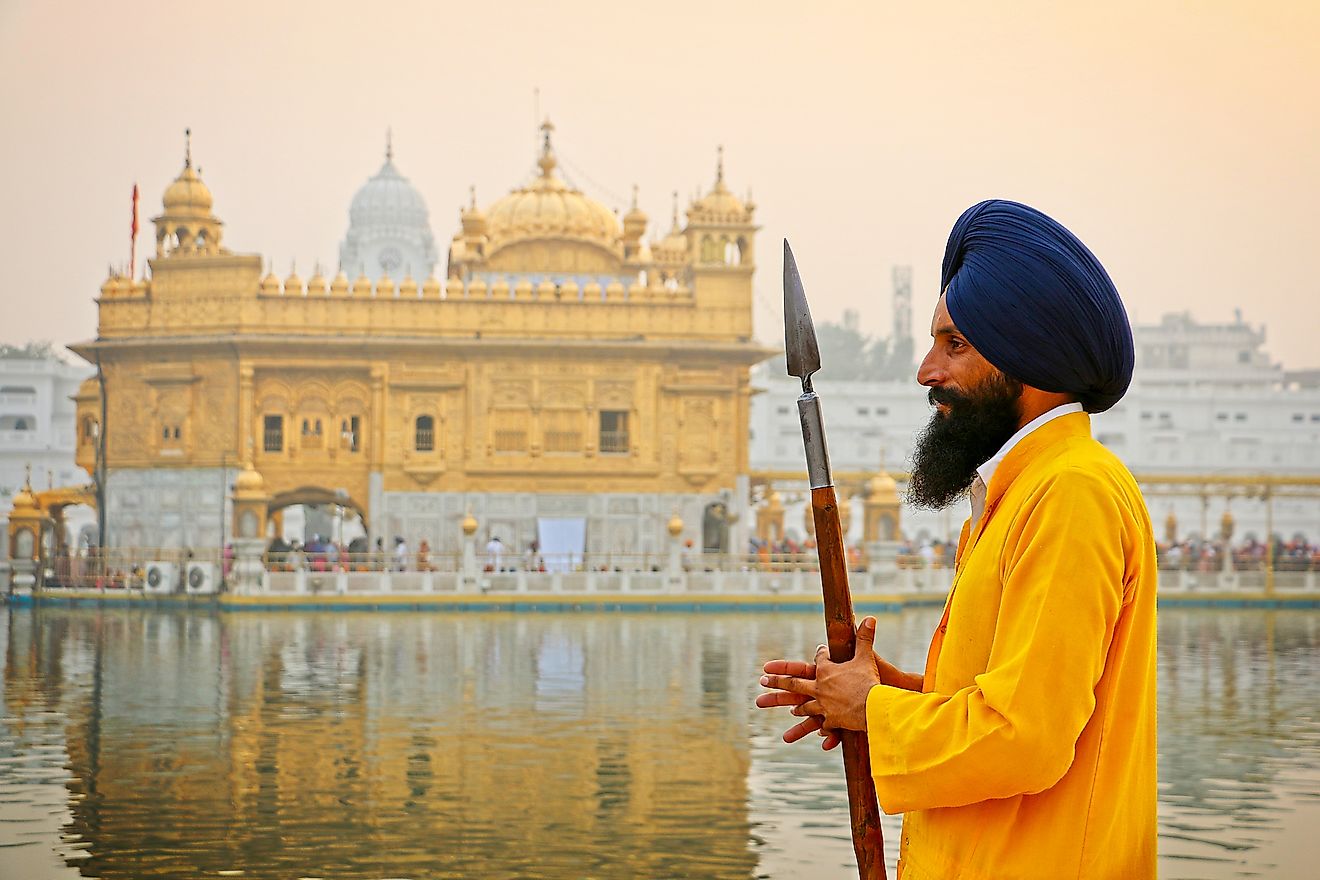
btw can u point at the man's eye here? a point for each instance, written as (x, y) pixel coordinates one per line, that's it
(956, 344)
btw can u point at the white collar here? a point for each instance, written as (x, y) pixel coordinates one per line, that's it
(987, 470)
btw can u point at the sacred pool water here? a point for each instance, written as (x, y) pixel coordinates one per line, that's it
(143, 744)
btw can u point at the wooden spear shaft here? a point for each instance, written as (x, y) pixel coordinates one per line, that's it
(841, 635)
(803, 359)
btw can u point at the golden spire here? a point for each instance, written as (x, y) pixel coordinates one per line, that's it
(389, 144)
(187, 148)
(719, 165)
(547, 160)
(634, 201)
(674, 222)
(472, 195)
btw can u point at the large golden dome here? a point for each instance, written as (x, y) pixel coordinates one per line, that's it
(549, 208)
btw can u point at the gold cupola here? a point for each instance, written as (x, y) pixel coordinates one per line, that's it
(586, 232)
(187, 227)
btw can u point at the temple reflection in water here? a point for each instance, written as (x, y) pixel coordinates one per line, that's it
(550, 745)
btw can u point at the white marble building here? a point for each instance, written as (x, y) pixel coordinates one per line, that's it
(1206, 401)
(389, 231)
(37, 427)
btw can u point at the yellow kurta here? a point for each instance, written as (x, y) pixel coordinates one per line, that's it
(1030, 752)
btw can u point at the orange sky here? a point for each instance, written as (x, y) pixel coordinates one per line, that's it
(1181, 141)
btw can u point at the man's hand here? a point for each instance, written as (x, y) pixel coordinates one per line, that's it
(830, 696)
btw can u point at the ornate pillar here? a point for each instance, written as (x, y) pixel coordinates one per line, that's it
(674, 562)
(881, 517)
(250, 503)
(25, 524)
(468, 575)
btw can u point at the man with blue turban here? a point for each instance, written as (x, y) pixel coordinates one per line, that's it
(1026, 749)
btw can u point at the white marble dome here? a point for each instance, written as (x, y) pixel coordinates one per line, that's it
(389, 228)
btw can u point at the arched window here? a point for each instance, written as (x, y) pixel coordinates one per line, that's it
(732, 255)
(425, 439)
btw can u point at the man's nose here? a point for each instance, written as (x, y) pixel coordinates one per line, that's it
(931, 372)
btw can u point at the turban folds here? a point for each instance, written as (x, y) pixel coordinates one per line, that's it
(1037, 304)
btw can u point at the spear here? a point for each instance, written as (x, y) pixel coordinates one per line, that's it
(803, 356)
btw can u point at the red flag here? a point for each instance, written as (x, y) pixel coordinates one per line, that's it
(132, 239)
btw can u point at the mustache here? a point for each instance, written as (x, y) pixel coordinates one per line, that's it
(946, 396)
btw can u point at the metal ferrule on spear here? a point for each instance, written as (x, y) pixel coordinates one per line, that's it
(803, 355)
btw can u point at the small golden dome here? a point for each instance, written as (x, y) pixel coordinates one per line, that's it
(591, 293)
(385, 287)
(569, 290)
(339, 287)
(408, 288)
(545, 290)
(719, 204)
(469, 524)
(454, 288)
(500, 289)
(634, 222)
(477, 288)
(636, 290)
(773, 501)
(431, 287)
(316, 284)
(675, 524)
(523, 289)
(249, 482)
(472, 217)
(187, 195)
(293, 285)
(614, 290)
(25, 499)
(270, 285)
(362, 285)
(882, 488)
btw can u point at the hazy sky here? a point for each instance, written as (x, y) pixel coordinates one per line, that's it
(1180, 140)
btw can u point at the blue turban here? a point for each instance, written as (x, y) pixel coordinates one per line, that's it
(1037, 304)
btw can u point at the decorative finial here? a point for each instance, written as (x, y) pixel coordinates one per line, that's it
(719, 166)
(27, 476)
(675, 220)
(389, 144)
(472, 195)
(547, 160)
(187, 148)
(634, 203)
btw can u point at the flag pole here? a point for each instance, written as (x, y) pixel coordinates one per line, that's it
(132, 239)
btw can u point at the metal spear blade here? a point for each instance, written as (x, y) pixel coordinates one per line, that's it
(803, 354)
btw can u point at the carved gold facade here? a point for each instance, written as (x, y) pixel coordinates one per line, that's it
(562, 355)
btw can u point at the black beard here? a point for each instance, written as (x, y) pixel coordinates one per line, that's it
(955, 443)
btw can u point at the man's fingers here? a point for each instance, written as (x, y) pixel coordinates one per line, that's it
(807, 707)
(802, 728)
(865, 636)
(780, 698)
(795, 668)
(789, 683)
(831, 742)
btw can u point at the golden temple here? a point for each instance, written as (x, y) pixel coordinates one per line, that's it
(565, 367)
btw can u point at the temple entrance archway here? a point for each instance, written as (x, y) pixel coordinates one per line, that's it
(315, 511)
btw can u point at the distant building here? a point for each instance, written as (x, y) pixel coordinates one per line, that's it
(37, 429)
(565, 376)
(1205, 402)
(389, 229)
